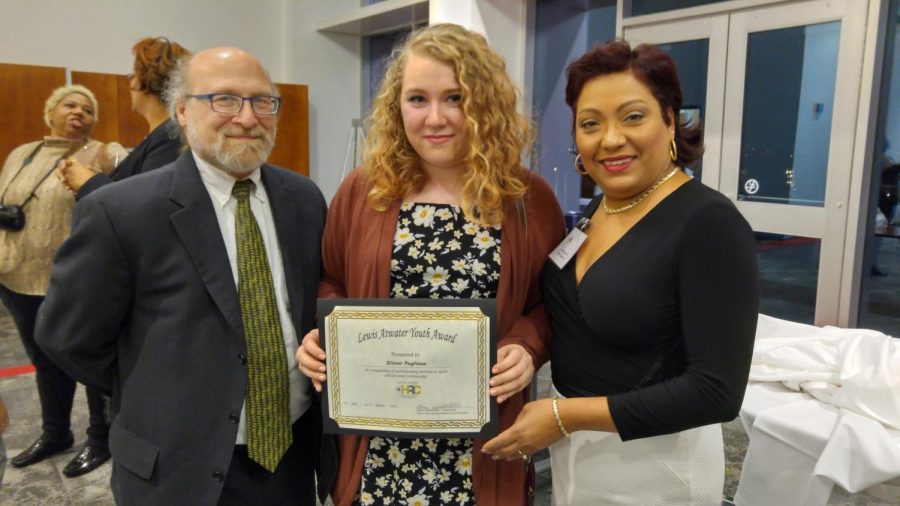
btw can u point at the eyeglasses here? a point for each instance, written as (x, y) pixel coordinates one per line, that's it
(232, 104)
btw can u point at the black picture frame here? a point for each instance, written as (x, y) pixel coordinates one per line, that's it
(487, 306)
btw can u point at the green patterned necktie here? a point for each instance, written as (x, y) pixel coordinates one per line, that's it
(268, 404)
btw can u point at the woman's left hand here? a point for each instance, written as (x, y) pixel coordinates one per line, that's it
(534, 429)
(512, 373)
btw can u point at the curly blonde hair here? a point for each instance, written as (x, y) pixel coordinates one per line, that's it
(496, 132)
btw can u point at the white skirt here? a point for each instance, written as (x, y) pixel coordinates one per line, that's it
(593, 468)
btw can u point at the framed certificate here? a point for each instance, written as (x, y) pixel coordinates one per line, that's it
(409, 367)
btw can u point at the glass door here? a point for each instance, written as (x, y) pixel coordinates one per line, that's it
(779, 134)
(698, 47)
(788, 145)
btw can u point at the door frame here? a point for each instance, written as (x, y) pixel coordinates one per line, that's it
(837, 223)
(828, 222)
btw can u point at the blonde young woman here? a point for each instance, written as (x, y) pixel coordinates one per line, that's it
(442, 208)
(26, 256)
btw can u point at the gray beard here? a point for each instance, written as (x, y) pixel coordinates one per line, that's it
(237, 161)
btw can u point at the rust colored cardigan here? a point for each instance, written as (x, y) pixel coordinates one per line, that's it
(356, 252)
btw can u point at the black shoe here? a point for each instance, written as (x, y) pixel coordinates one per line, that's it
(40, 450)
(89, 458)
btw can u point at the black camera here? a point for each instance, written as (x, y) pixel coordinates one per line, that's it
(12, 217)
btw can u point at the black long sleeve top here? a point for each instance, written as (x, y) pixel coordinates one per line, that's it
(663, 323)
(157, 149)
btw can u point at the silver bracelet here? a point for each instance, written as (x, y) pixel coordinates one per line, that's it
(559, 423)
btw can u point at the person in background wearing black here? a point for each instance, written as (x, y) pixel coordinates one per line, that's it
(154, 59)
(654, 315)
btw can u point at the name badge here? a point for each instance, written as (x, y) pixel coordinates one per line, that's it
(568, 247)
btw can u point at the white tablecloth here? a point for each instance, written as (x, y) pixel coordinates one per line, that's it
(800, 448)
(822, 409)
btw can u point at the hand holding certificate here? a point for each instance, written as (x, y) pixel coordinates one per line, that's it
(410, 367)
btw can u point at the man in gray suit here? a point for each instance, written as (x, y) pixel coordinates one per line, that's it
(184, 291)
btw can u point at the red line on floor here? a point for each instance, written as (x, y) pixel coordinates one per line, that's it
(8, 372)
(795, 241)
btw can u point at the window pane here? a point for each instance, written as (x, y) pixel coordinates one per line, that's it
(377, 51)
(692, 61)
(787, 114)
(879, 304)
(641, 7)
(788, 275)
(564, 30)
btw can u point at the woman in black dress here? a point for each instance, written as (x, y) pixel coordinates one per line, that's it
(654, 315)
(154, 60)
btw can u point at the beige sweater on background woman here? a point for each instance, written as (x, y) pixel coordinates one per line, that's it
(26, 256)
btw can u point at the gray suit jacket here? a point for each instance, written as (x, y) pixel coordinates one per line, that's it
(142, 303)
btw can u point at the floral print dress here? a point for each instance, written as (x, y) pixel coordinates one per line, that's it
(437, 253)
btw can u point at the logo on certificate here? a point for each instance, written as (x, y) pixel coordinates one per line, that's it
(409, 389)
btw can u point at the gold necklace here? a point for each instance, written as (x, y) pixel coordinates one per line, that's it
(641, 197)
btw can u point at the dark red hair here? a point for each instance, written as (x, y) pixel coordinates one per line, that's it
(649, 65)
(154, 60)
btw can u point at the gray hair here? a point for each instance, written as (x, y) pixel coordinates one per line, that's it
(64, 91)
(177, 86)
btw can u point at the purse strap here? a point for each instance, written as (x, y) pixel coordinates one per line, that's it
(27, 161)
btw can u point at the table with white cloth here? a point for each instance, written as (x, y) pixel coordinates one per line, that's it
(822, 409)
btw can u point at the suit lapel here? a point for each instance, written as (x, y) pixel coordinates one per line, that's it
(284, 214)
(197, 227)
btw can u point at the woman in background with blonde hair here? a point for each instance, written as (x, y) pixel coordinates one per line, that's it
(26, 256)
(441, 208)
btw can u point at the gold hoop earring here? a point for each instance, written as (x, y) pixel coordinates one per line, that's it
(673, 150)
(578, 164)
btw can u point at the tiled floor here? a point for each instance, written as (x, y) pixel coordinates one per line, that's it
(42, 483)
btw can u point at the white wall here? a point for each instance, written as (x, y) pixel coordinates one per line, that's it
(330, 64)
(501, 21)
(97, 35)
